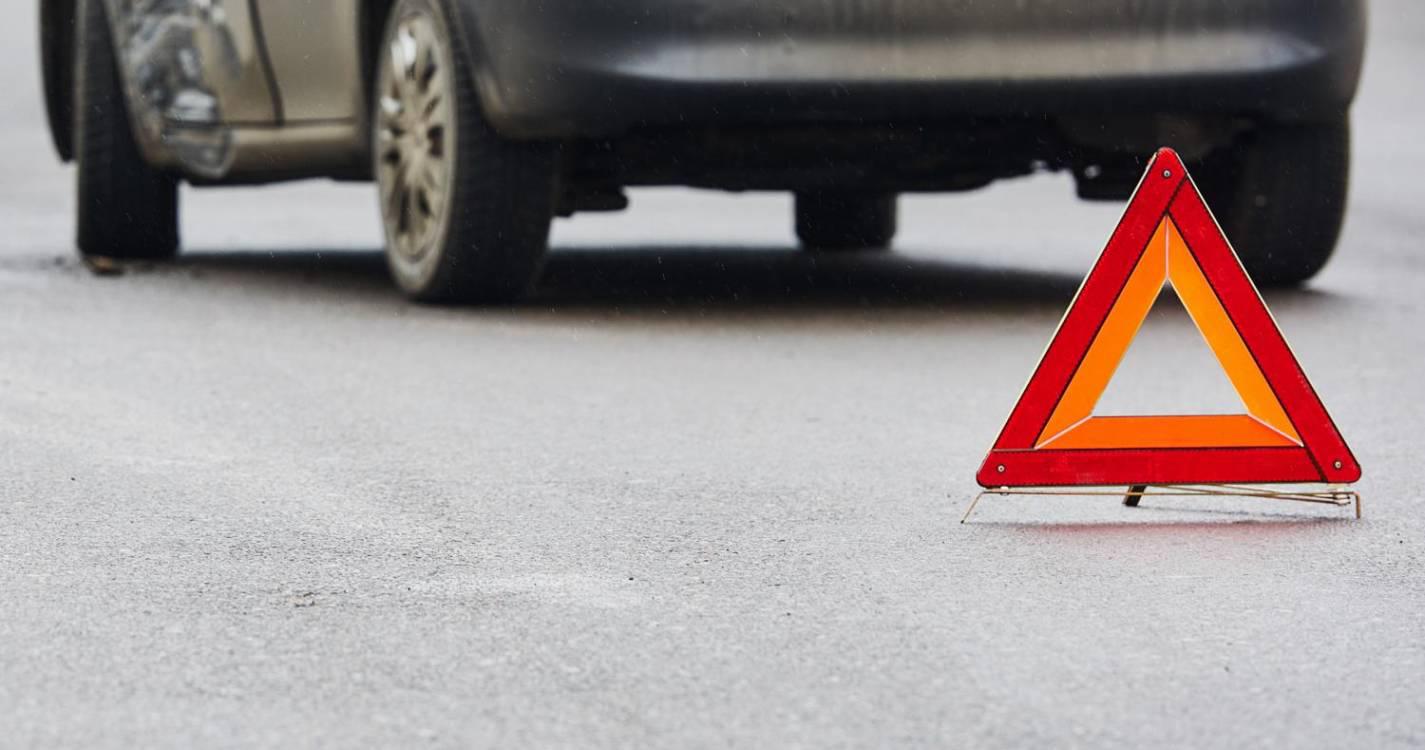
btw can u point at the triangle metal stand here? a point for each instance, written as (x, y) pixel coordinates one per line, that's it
(1336, 495)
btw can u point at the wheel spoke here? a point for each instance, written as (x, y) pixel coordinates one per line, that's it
(433, 107)
(433, 182)
(433, 175)
(395, 206)
(391, 109)
(409, 49)
(397, 57)
(426, 65)
(412, 143)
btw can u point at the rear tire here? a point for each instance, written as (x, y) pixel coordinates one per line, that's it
(466, 212)
(845, 220)
(1280, 195)
(126, 209)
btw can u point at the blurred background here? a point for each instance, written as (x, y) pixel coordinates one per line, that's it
(701, 489)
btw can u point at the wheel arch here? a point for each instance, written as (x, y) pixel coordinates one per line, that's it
(464, 16)
(374, 14)
(57, 30)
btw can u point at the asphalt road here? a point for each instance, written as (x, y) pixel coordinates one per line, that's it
(702, 491)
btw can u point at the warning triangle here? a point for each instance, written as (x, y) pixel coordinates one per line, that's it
(1167, 235)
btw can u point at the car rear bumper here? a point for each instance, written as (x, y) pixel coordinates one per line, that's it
(599, 67)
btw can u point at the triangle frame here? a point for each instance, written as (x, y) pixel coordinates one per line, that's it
(1308, 447)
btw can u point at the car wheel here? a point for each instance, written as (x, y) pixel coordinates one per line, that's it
(126, 209)
(845, 220)
(466, 212)
(1280, 195)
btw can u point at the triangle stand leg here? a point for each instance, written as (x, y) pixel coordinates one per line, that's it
(971, 509)
(1337, 495)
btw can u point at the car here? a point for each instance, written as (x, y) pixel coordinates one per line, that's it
(483, 120)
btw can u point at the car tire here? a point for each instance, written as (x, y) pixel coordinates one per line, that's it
(126, 209)
(1280, 195)
(466, 212)
(845, 220)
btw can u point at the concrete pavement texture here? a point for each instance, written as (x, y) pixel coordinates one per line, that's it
(701, 491)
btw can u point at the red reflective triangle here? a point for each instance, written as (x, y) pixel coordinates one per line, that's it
(1051, 441)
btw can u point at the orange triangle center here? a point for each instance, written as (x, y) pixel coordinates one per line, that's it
(1167, 259)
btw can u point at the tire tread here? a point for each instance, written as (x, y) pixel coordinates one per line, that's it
(125, 208)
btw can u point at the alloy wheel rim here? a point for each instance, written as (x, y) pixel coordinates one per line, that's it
(415, 130)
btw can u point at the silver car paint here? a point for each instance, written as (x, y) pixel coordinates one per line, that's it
(263, 89)
(205, 95)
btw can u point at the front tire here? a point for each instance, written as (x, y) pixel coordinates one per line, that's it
(125, 208)
(466, 212)
(1280, 195)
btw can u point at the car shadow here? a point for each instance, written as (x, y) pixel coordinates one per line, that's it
(696, 280)
(777, 278)
(642, 281)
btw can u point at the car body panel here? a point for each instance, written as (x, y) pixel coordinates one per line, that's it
(277, 89)
(602, 66)
(316, 59)
(193, 72)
